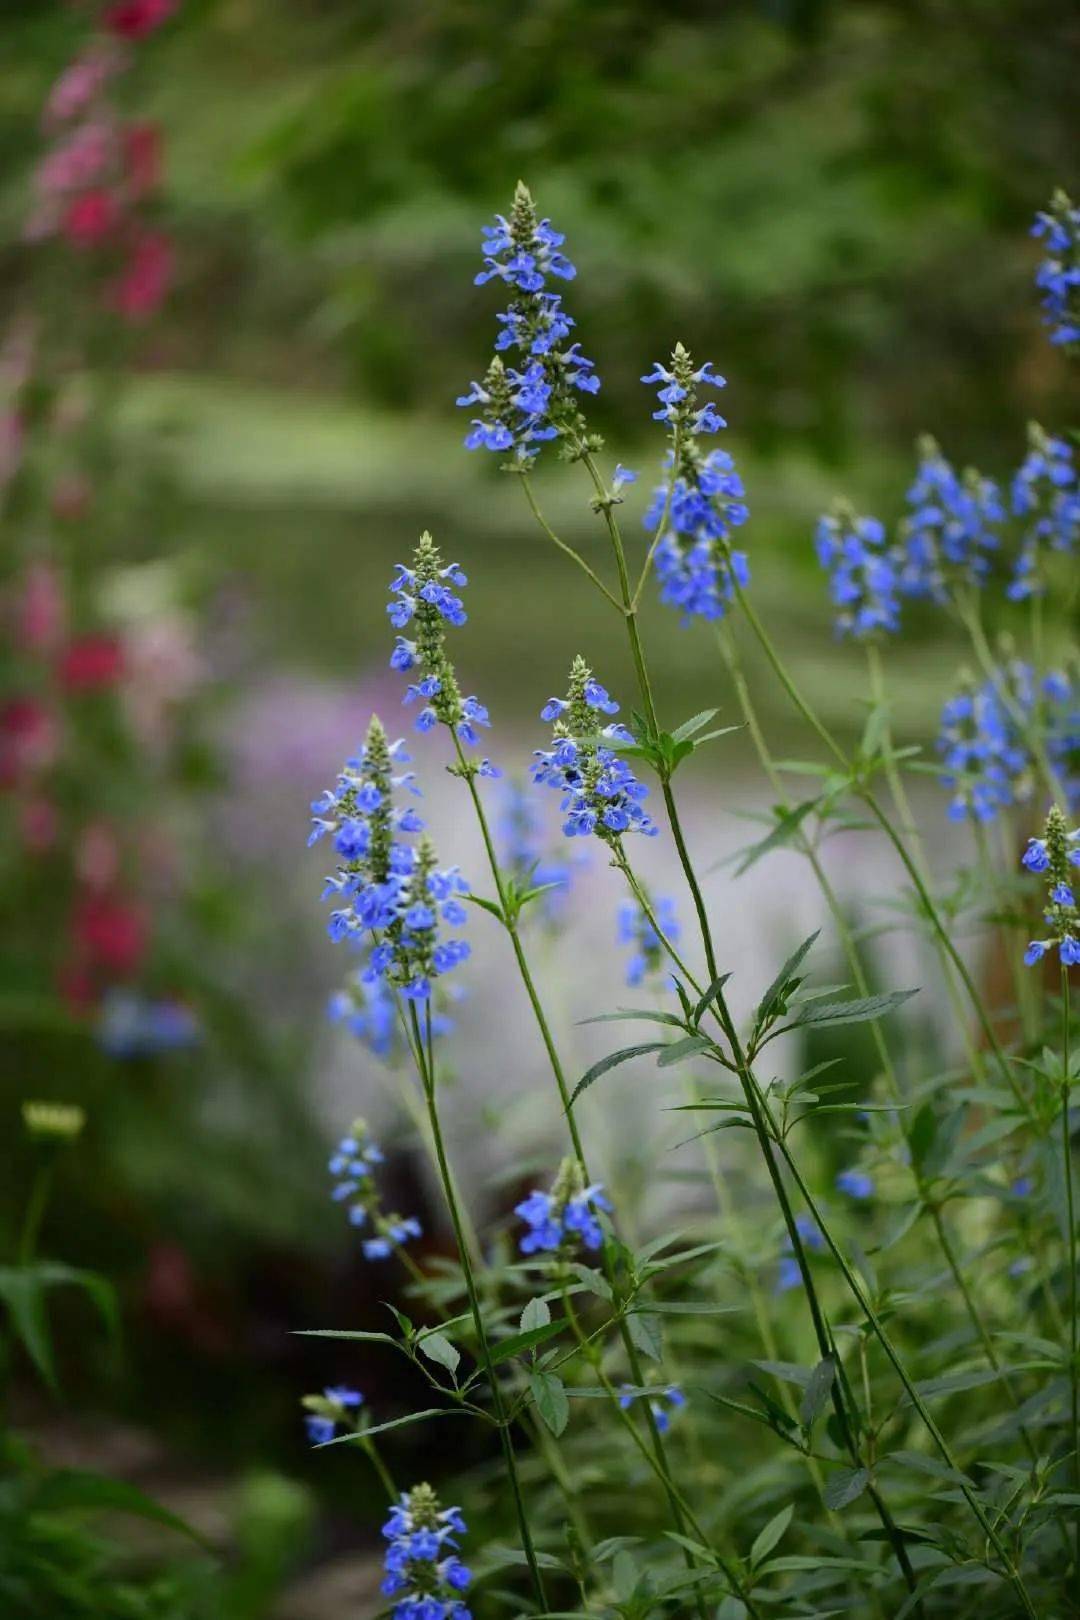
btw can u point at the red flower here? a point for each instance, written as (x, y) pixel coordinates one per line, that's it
(110, 934)
(134, 19)
(90, 218)
(141, 288)
(142, 158)
(92, 662)
(28, 739)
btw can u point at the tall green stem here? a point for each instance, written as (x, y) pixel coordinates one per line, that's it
(1070, 1214)
(510, 922)
(425, 1064)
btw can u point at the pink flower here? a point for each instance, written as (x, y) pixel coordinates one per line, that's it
(111, 933)
(38, 825)
(90, 218)
(134, 19)
(41, 612)
(91, 663)
(77, 162)
(76, 88)
(28, 740)
(97, 856)
(142, 158)
(140, 290)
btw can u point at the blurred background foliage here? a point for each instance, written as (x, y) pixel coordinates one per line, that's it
(831, 200)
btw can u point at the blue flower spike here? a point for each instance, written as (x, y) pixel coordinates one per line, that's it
(423, 1572)
(1054, 857)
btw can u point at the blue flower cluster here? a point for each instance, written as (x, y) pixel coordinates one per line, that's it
(366, 1008)
(334, 1409)
(863, 579)
(423, 1572)
(394, 895)
(522, 407)
(1058, 276)
(600, 793)
(525, 856)
(663, 1415)
(421, 596)
(949, 536)
(132, 1026)
(635, 929)
(351, 1165)
(565, 1219)
(789, 1276)
(988, 765)
(1052, 857)
(701, 500)
(1046, 494)
(855, 1183)
(1061, 723)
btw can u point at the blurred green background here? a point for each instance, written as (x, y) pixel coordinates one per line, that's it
(830, 200)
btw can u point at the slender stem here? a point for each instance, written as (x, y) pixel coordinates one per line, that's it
(423, 1048)
(663, 523)
(862, 984)
(569, 551)
(865, 792)
(1070, 1212)
(511, 924)
(592, 1354)
(371, 1452)
(36, 1205)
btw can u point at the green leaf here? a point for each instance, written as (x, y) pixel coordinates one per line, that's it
(536, 1314)
(612, 1061)
(710, 995)
(689, 727)
(517, 1343)
(817, 1390)
(857, 1011)
(787, 825)
(774, 993)
(845, 1486)
(491, 906)
(676, 1051)
(346, 1333)
(23, 1290)
(396, 1423)
(437, 1348)
(788, 1372)
(646, 1332)
(767, 1539)
(77, 1488)
(624, 1575)
(551, 1402)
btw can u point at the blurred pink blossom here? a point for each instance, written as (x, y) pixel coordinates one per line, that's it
(77, 86)
(29, 740)
(140, 289)
(97, 856)
(77, 162)
(162, 668)
(134, 19)
(41, 610)
(38, 825)
(90, 218)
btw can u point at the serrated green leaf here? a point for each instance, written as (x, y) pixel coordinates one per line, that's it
(612, 1061)
(787, 825)
(518, 1343)
(817, 1390)
(845, 1486)
(550, 1399)
(772, 995)
(537, 1313)
(689, 727)
(646, 1331)
(859, 1010)
(437, 1348)
(678, 1051)
(702, 1005)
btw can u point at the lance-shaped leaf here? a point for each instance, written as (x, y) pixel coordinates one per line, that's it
(612, 1061)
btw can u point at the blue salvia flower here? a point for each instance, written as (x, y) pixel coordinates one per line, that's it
(788, 1274)
(523, 406)
(327, 1414)
(988, 764)
(600, 793)
(1053, 857)
(525, 856)
(422, 598)
(564, 1220)
(393, 895)
(366, 1007)
(1046, 494)
(352, 1166)
(423, 1572)
(856, 1183)
(862, 571)
(663, 1415)
(702, 495)
(1058, 276)
(949, 536)
(635, 929)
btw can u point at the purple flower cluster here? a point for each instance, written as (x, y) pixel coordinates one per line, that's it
(1046, 495)
(1052, 857)
(423, 1572)
(352, 1165)
(600, 793)
(862, 572)
(566, 1218)
(1058, 276)
(950, 533)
